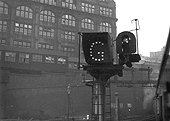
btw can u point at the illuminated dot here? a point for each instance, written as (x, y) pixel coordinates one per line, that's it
(102, 43)
(92, 57)
(102, 55)
(98, 52)
(95, 59)
(96, 42)
(90, 48)
(98, 59)
(102, 58)
(102, 52)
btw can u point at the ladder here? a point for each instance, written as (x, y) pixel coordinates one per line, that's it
(101, 101)
(108, 114)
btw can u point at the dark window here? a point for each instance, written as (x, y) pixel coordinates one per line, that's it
(45, 46)
(3, 41)
(22, 44)
(23, 58)
(10, 56)
(37, 58)
(68, 37)
(47, 33)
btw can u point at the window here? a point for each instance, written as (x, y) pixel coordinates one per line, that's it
(105, 12)
(49, 2)
(61, 60)
(49, 59)
(87, 8)
(2, 41)
(22, 44)
(87, 24)
(47, 16)
(45, 46)
(105, 27)
(37, 58)
(23, 29)
(68, 51)
(68, 37)
(10, 56)
(3, 26)
(24, 11)
(3, 8)
(129, 105)
(47, 33)
(23, 58)
(71, 4)
(68, 20)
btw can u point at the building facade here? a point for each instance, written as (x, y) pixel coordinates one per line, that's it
(39, 50)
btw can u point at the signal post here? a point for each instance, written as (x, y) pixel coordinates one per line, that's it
(101, 75)
(98, 53)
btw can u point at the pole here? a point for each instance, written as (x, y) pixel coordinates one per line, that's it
(117, 106)
(99, 101)
(68, 96)
(136, 29)
(79, 56)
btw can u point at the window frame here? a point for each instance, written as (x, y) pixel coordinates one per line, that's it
(4, 8)
(24, 58)
(86, 7)
(10, 56)
(47, 16)
(87, 23)
(68, 20)
(24, 12)
(105, 27)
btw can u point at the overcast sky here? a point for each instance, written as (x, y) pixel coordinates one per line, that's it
(154, 20)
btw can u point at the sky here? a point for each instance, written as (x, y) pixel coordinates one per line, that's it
(154, 21)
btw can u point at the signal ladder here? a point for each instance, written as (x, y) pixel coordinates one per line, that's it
(101, 100)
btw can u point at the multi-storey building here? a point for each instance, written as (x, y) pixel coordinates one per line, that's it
(39, 50)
